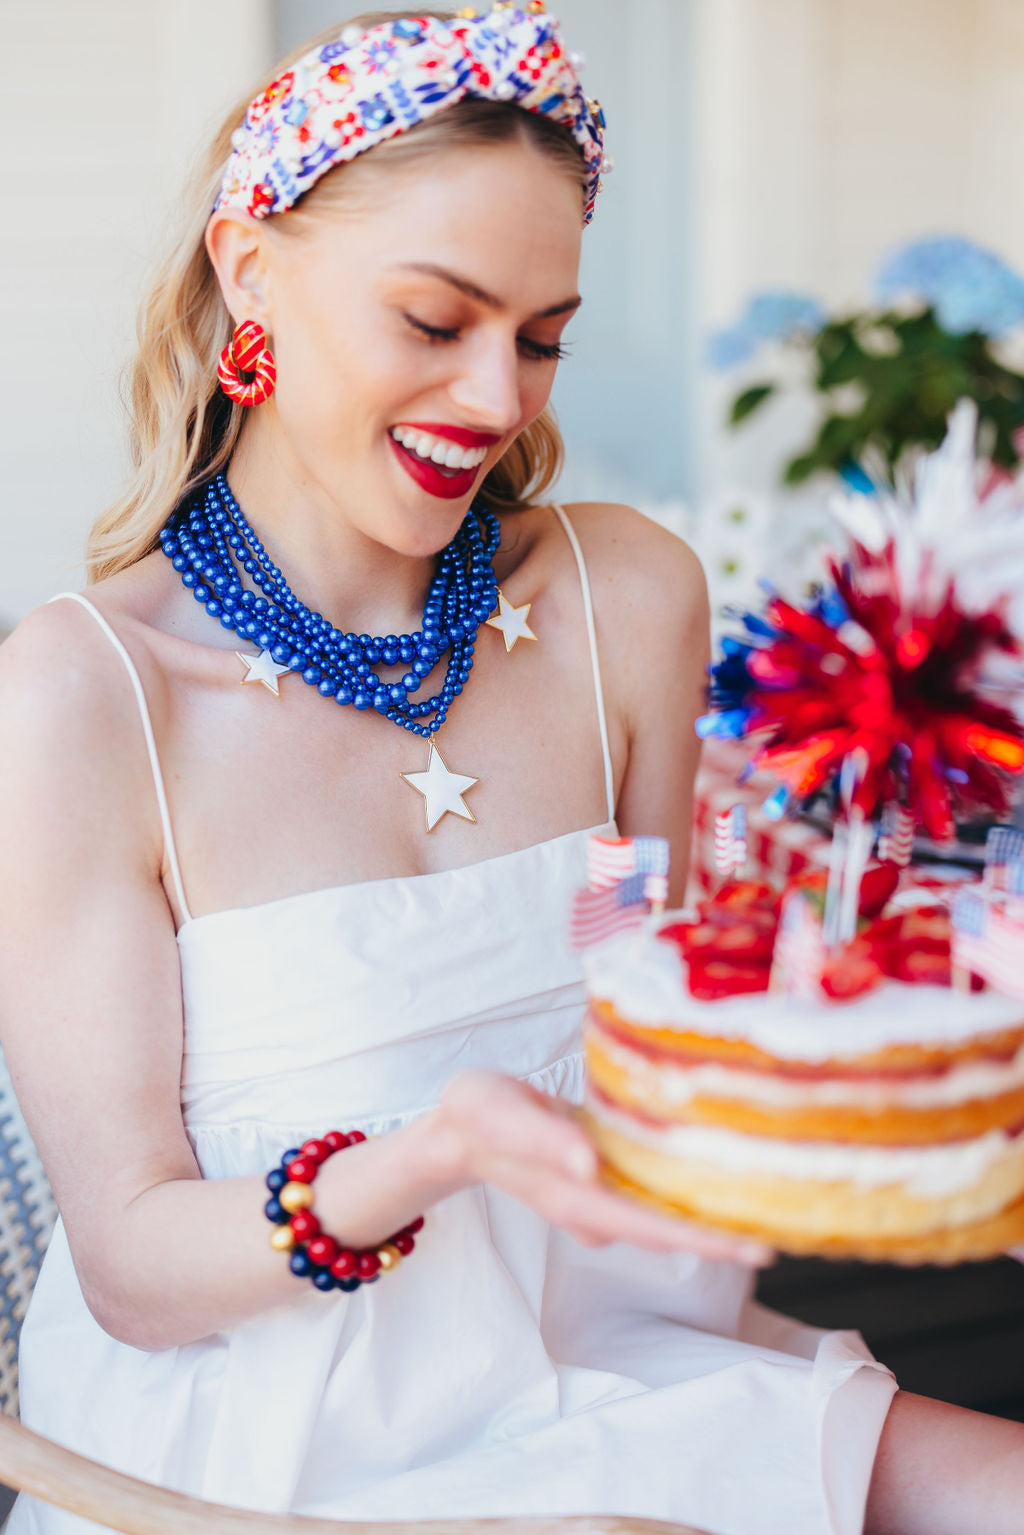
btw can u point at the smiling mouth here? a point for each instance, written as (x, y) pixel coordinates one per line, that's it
(447, 457)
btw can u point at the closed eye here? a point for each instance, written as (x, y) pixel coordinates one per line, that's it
(434, 332)
(539, 351)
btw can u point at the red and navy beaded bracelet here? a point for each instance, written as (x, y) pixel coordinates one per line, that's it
(313, 1254)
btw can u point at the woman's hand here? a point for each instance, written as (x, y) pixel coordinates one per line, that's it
(493, 1129)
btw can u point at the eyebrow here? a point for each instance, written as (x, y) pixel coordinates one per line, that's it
(474, 291)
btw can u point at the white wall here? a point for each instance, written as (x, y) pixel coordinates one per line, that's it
(832, 130)
(91, 169)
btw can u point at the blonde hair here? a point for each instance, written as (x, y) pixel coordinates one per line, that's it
(183, 429)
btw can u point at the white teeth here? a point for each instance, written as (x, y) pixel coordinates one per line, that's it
(438, 450)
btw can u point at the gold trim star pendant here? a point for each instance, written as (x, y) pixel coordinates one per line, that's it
(442, 790)
(511, 621)
(262, 668)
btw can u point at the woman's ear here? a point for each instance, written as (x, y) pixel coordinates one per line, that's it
(237, 253)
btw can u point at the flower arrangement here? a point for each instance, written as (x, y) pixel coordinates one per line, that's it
(899, 675)
(889, 376)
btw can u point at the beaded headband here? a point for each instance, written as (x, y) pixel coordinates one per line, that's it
(343, 97)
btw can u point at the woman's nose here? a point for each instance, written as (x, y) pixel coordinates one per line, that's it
(486, 389)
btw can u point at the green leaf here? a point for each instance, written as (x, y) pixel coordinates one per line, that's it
(801, 468)
(746, 403)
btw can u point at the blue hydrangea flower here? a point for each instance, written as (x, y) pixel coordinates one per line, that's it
(968, 287)
(728, 348)
(776, 316)
(771, 316)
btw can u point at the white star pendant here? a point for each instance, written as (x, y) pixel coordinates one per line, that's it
(263, 668)
(512, 622)
(442, 790)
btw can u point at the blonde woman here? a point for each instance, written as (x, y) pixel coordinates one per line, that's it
(266, 929)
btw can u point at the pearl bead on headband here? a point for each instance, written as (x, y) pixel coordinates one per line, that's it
(343, 97)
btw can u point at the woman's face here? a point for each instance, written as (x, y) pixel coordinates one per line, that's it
(419, 322)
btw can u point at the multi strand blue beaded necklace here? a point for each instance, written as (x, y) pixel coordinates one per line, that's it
(211, 543)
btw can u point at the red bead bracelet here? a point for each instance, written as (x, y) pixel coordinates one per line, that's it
(315, 1255)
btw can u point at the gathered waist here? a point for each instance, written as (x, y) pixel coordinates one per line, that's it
(234, 1133)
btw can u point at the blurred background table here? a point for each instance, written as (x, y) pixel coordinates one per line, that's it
(779, 849)
(776, 850)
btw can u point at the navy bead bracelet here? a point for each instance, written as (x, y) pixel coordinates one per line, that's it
(314, 1255)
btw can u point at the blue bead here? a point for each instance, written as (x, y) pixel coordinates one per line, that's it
(211, 545)
(275, 1211)
(276, 1180)
(323, 1279)
(348, 1284)
(301, 1263)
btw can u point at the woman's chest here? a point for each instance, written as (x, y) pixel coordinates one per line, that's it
(276, 794)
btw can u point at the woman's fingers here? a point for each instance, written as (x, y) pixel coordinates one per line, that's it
(597, 1216)
(534, 1148)
(502, 1117)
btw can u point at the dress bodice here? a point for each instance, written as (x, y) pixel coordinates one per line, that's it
(356, 1004)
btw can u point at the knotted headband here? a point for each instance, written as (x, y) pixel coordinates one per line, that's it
(343, 97)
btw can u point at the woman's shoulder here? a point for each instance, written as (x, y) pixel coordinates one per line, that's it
(637, 566)
(59, 674)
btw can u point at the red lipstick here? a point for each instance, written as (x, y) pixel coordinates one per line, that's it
(457, 434)
(428, 476)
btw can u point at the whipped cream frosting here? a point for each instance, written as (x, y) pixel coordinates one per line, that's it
(678, 1083)
(644, 979)
(929, 1172)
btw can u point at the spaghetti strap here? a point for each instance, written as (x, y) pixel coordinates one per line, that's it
(147, 728)
(588, 608)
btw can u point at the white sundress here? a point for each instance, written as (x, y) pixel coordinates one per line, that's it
(503, 1369)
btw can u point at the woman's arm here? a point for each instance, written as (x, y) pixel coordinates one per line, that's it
(944, 1470)
(91, 1022)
